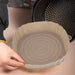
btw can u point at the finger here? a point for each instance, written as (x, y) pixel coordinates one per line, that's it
(10, 67)
(15, 63)
(17, 57)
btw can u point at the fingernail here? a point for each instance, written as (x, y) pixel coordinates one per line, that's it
(22, 61)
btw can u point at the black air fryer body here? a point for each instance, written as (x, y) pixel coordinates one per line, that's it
(59, 11)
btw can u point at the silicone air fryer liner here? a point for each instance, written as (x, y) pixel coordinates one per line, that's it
(41, 44)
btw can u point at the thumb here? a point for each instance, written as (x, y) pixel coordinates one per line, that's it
(16, 57)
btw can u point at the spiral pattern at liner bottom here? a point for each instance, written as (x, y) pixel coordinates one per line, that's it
(40, 48)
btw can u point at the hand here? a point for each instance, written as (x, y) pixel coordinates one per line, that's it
(8, 58)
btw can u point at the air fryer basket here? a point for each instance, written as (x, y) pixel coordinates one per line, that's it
(59, 11)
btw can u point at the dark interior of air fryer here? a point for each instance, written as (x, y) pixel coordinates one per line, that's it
(59, 11)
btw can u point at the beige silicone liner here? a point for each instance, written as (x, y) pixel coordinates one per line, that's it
(26, 34)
